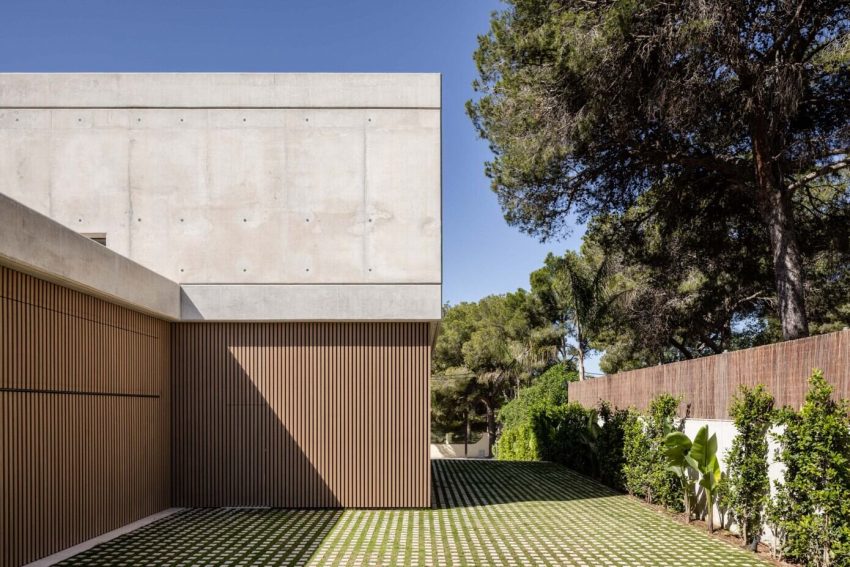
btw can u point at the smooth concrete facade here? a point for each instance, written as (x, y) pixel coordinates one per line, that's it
(221, 90)
(257, 329)
(33, 243)
(299, 302)
(234, 179)
(38, 245)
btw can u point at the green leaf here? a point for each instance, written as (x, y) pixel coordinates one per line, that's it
(676, 446)
(699, 448)
(711, 475)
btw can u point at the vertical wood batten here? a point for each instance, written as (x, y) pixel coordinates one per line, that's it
(94, 434)
(84, 440)
(317, 415)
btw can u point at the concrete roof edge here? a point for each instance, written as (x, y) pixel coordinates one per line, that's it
(220, 90)
(321, 303)
(33, 243)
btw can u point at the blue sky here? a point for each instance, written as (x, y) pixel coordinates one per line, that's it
(482, 254)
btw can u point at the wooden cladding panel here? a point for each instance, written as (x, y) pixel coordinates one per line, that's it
(301, 414)
(708, 384)
(84, 443)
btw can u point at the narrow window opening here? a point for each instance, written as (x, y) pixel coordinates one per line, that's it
(99, 237)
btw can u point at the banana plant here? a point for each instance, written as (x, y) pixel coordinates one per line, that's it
(677, 445)
(702, 457)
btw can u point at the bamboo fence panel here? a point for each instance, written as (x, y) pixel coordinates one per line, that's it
(708, 384)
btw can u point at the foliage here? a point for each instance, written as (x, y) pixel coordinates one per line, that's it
(517, 441)
(677, 446)
(541, 425)
(702, 458)
(774, 516)
(482, 356)
(812, 509)
(636, 456)
(723, 499)
(547, 390)
(562, 436)
(699, 456)
(748, 484)
(610, 445)
(453, 397)
(589, 106)
(692, 281)
(702, 283)
(645, 468)
(576, 294)
(649, 456)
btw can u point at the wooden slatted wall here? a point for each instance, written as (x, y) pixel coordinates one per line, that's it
(84, 422)
(301, 414)
(708, 384)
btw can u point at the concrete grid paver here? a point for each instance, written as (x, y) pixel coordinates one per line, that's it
(484, 513)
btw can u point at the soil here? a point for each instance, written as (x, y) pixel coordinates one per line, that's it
(731, 538)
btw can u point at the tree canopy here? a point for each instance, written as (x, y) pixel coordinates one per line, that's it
(576, 295)
(484, 354)
(722, 119)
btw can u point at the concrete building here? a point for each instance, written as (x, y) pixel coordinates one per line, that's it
(217, 290)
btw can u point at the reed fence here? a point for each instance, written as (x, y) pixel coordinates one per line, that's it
(708, 384)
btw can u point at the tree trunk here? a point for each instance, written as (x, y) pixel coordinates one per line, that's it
(491, 428)
(580, 348)
(774, 201)
(681, 348)
(580, 365)
(466, 435)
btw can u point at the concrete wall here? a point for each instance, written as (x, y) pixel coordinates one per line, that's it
(726, 432)
(33, 243)
(477, 450)
(238, 179)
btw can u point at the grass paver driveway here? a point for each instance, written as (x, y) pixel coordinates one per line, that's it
(484, 513)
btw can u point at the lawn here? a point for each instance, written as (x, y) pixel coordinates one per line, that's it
(484, 513)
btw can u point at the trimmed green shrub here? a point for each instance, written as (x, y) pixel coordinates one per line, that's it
(747, 487)
(548, 390)
(551, 433)
(570, 435)
(645, 468)
(621, 448)
(562, 436)
(812, 506)
(518, 443)
(635, 455)
(518, 440)
(610, 445)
